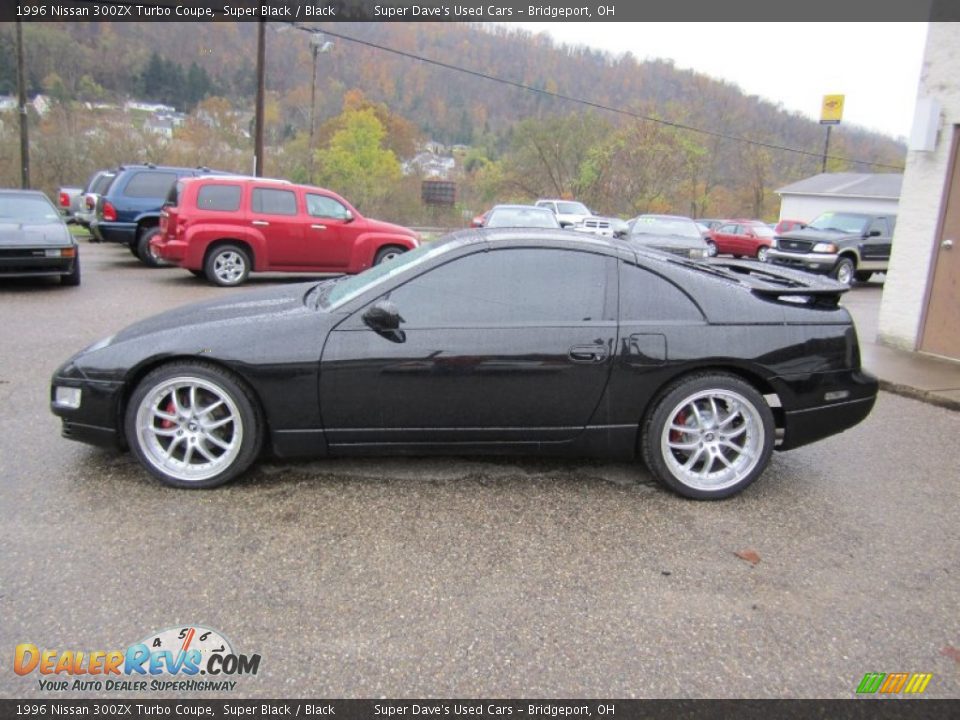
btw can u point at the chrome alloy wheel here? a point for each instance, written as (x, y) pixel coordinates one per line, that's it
(713, 440)
(189, 428)
(230, 267)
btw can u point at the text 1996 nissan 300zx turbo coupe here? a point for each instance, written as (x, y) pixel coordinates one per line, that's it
(486, 341)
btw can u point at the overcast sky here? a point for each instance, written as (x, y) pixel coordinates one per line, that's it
(876, 65)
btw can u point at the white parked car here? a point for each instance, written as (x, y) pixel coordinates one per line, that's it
(568, 212)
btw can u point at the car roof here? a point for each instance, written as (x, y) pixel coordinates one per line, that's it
(16, 191)
(517, 207)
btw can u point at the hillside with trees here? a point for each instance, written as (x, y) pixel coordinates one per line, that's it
(627, 151)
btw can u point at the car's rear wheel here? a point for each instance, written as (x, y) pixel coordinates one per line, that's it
(709, 436)
(193, 425)
(146, 254)
(711, 248)
(72, 278)
(227, 265)
(387, 253)
(844, 271)
(762, 253)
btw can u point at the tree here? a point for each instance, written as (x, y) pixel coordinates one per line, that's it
(355, 162)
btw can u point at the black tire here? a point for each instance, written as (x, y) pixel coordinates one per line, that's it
(744, 437)
(845, 271)
(863, 275)
(711, 248)
(72, 278)
(227, 265)
(387, 253)
(168, 448)
(134, 249)
(143, 248)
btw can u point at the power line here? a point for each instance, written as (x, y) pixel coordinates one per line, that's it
(588, 103)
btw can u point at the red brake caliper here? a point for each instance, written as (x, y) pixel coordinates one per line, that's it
(680, 419)
(165, 424)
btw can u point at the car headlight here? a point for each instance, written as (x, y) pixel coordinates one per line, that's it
(824, 248)
(68, 397)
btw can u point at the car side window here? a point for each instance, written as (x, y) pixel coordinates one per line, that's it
(325, 207)
(647, 297)
(225, 198)
(270, 201)
(505, 287)
(881, 225)
(150, 184)
(728, 229)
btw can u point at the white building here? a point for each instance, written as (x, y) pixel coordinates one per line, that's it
(920, 309)
(840, 192)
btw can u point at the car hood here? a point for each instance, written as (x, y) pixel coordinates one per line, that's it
(53, 234)
(815, 236)
(229, 316)
(385, 227)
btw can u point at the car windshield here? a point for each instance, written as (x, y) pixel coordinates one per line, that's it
(572, 208)
(27, 209)
(522, 217)
(656, 225)
(334, 294)
(839, 222)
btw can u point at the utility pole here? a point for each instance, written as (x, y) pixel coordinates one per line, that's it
(317, 45)
(22, 101)
(831, 113)
(261, 90)
(826, 150)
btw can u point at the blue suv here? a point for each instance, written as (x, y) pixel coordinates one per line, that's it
(129, 211)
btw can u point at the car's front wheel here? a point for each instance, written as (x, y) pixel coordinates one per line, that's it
(762, 253)
(709, 436)
(845, 271)
(387, 253)
(711, 248)
(227, 265)
(72, 278)
(193, 425)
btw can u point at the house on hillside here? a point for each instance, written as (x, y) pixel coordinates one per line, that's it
(921, 295)
(850, 192)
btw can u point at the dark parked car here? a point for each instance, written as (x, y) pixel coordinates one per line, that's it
(34, 240)
(128, 212)
(843, 245)
(487, 341)
(669, 233)
(225, 227)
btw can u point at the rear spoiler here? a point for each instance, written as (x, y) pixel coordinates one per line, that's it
(775, 282)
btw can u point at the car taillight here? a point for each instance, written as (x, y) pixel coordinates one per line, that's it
(109, 212)
(64, 200)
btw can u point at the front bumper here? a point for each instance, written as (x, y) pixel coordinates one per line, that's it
(116, 232)
(97, 420)
(822, 263)
(34, 262)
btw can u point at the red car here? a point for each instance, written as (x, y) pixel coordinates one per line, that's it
(224, 227)
(741, 237)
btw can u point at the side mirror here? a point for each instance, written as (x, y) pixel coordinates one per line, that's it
(383, 318)
(348, 217)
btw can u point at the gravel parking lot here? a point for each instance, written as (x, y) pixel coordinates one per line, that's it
(471, 577)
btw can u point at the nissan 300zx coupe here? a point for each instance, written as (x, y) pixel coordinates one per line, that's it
(486, 341)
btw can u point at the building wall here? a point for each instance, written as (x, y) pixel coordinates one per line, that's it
(924, 180)
(807, 207)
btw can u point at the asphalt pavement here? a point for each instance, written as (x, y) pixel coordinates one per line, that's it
(467, 577)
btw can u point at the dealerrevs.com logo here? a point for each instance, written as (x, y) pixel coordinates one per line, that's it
(179, 659)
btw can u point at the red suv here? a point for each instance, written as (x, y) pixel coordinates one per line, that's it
(225, 227)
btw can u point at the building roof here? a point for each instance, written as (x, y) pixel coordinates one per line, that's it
(873, 185)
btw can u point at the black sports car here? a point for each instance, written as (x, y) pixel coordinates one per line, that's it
(497, 341)
(34, 240)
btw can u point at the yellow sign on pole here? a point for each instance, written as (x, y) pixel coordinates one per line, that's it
(832, 111)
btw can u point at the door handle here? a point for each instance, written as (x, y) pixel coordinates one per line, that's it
(262, 223)
(947, 244)
(588, 353)
(319, 227)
